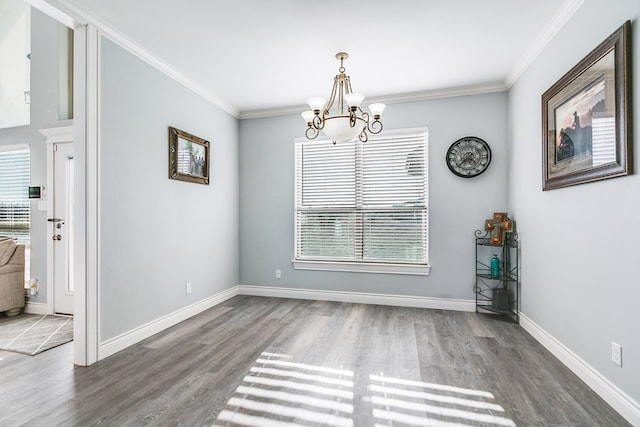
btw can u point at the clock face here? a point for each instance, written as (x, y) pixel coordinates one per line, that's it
(468, 157)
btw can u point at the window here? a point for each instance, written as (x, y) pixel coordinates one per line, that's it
(363, 206)
(15, 63)
(65, 72)
(15, 170)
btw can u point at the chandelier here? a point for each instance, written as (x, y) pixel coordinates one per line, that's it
(342, 122)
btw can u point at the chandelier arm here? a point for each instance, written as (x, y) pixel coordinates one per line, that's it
(348, 85)
(375, 127)
(318, 122)
(311, 132)
(341, 97)
(363, 136)
(352, 118)
(332, 98)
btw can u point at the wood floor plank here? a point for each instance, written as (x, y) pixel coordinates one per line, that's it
(255, 361)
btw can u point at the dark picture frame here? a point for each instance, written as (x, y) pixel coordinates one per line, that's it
(586, 121)
(188, 157)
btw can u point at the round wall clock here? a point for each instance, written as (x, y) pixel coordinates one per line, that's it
(468, 157)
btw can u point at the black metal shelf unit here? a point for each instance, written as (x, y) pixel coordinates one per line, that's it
(497, 294)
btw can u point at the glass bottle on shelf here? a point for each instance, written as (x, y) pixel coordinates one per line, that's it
(495, 267)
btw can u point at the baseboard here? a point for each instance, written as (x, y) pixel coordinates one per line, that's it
(619, 400)
(360, 298)
(114, 345)
(37, 308)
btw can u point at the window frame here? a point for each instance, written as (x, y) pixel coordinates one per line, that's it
(366, 266)
(20, 236)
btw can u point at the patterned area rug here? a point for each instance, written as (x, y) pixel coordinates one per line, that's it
(33, 333)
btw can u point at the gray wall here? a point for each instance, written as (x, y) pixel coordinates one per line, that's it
(44, 114)
(579, 244)
(458, 206)
(158, 234)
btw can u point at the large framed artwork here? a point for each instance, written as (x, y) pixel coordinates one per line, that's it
(188, 157)
(586, 123)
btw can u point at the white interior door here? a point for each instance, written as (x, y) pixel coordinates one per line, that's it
(61, 226)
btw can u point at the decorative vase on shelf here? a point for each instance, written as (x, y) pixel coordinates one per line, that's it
(495, 267)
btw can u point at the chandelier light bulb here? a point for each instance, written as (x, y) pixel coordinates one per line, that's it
(354, 99)
(376, 110)
(307, 116)
(316, 103)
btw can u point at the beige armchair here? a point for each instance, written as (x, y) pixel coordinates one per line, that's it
(12, 293)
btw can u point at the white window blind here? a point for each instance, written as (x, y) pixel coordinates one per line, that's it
(15, 167)
(363, 202)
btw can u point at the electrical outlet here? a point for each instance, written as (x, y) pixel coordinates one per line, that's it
(278, 274)
(616, 353)
(188, 288)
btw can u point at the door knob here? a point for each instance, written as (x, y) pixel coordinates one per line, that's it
(57, 237)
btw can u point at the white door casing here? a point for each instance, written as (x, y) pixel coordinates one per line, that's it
(61, 227)
(54, 137)
(84, 134)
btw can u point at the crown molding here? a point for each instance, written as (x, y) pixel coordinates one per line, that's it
(389, 99)
(564, 14)
(559, 20)
(164, 68)
(109, 32)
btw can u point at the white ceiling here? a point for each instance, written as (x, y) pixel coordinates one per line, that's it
(261, 56)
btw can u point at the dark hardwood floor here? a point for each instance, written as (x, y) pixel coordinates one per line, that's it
(284, 362)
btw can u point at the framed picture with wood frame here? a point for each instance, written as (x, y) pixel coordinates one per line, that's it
(188, 157)
(586, 123)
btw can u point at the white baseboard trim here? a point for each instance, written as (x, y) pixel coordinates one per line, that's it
(618, 399)
(115, 344)
(37, 308)
(360, 298)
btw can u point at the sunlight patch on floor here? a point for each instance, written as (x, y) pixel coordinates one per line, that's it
(418, 403)
(280, 392)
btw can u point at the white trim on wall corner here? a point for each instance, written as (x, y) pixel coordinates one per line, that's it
(360, 298)
(140, 333)
(618, 399)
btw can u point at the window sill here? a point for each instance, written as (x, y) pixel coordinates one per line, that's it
(361, 267)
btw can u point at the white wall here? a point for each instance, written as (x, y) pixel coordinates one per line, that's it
(44, 114)
(457, 206)
(579, 244)
(157, 234)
